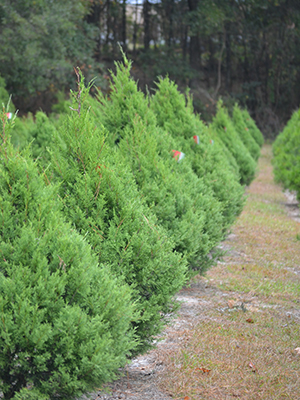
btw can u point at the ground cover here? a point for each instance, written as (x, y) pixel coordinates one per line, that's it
(238, 332)
(246, 346)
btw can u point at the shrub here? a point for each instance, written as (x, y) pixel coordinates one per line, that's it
(40, 133)
(100, 198)
(182, 202)
(253, 129)
(207, 158)
(5, 100)
(26, 131)
(243, 131)
(224, 128)
(65, 321)
(286, 150)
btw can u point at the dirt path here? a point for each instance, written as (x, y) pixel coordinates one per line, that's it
(237, 333)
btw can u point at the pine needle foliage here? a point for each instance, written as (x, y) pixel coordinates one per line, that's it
(233, 165)
(243, 131)
(253, 129)
(65, 323)
(224, 128)
(182, 202)
(5, 100)
(41, 134)
(101, 200)
(176, 115)
(286, 150)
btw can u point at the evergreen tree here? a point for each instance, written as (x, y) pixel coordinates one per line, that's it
(224, 128)
(245, 134)
(208, 161)
(286, 155)
(65, 323)
(182, 202)
(5, 100)
(100, 198)
(253, 129)
(41, 134)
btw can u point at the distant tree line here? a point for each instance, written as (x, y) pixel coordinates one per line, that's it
(247, 49)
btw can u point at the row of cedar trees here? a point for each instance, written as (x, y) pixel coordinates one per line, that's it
(286, 150)
(101, 226)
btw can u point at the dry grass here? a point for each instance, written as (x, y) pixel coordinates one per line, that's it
(244, 345)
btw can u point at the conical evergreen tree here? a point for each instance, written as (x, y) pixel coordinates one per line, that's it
(101, 199)
(65, 323)
(224, 128)
(245, 134)
(286, 154)
(184, 205)
(207, 158)
(253, 129)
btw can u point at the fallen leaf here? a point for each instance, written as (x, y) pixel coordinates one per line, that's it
(231, 303)
(204, 370)
(297, 350)
(187, 398)
(250, 320)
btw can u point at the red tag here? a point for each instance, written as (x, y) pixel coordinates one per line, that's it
(178, 155)
(196, 139)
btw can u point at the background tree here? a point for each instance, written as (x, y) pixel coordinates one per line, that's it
(40, 40)
(243, 50)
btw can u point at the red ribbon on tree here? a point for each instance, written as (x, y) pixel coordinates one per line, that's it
(196, 139)
(178, 155)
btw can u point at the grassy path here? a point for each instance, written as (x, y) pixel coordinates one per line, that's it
(244, 342)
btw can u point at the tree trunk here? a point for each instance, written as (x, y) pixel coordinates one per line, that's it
(184, 42)
(146, 11)
(266, 68)
(194, 48)
(108, 22)
(135, 27)
(124, 25)
(228, 57)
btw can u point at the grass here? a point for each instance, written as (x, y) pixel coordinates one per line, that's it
(229, 357)
(244, 345)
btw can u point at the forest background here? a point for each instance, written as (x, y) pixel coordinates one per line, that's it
(242, 50)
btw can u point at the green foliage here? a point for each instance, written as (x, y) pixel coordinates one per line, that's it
(182, 202)
(245, 134)
(123, 104)
(41, 134)
(100, 198)
(62, 105)
(207, 159)
(65, 320)
(253, 129)
(286, 150)
(5, 100)
(224, 128)
(37, 131)
(40, 41)
(20, 135)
